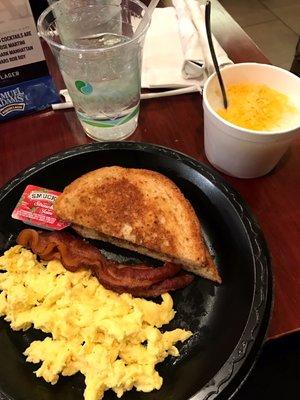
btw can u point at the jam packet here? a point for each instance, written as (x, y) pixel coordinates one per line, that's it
(35, 208)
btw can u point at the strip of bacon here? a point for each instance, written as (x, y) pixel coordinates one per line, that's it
(135, 276)
(167, 285)
(75, 253)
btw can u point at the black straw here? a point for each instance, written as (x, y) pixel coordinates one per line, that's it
(212, 52)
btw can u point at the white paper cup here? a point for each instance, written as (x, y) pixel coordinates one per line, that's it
(240, 152)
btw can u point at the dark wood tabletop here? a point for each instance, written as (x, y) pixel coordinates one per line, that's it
(177, 122)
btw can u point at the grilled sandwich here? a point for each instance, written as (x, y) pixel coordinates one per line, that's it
(140, 210)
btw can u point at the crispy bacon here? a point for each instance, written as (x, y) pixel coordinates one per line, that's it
(75, 253)
(135, 276)
(177, 282)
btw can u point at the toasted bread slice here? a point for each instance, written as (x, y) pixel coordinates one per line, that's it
(137, 209)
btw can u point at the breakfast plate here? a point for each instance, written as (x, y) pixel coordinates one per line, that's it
(228, 321)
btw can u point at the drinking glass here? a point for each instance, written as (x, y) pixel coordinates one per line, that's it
(100, 58)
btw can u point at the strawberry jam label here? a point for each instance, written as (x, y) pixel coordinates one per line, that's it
(35, 208)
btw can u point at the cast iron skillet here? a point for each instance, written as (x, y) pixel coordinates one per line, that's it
(229, 321)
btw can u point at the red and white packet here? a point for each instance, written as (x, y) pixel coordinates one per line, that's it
(35, 208)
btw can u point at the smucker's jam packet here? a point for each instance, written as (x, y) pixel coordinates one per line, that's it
(35, 208)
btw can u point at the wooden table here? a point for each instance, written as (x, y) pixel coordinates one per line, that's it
(177, 122)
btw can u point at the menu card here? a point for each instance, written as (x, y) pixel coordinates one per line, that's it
(25, 84)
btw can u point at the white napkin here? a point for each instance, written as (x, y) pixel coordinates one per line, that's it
(163, 56)
(176, 52)
(192, 31)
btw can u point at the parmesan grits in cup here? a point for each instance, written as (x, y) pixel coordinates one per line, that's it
(263, 116)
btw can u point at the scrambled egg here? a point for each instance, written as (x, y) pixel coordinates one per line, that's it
(114, 340)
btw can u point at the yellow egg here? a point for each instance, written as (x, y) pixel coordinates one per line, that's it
(114, 340)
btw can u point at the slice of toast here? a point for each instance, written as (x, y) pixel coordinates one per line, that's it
(137, 209)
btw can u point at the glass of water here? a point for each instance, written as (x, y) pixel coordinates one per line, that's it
(100, 58)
